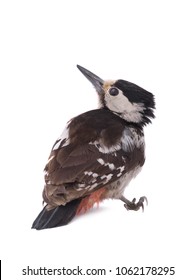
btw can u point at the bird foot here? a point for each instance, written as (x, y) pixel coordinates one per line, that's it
(133, 205)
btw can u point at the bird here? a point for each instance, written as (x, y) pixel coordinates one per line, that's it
(98, 153)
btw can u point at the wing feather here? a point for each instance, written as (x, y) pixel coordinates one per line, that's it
(76, 168)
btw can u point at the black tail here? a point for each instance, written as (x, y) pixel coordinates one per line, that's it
(57, 217)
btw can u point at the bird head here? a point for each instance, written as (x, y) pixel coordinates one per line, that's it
(127, 100)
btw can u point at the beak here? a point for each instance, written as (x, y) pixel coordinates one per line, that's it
(95, 80)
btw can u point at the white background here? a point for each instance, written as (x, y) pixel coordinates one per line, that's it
(150, 43)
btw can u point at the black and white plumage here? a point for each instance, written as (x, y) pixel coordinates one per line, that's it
(98, 153)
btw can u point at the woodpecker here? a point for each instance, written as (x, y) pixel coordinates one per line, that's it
(98, 153)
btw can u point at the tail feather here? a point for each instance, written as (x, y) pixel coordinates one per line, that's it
(57, 217)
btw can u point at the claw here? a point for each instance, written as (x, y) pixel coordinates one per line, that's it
(132, 205)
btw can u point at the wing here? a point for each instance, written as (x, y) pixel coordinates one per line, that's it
(73, 170)
(88, 164)
(79, 165)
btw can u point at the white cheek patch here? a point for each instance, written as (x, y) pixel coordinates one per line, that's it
(120, 104)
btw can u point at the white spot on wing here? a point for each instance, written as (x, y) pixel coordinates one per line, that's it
(50, 159)
(107, 177)
(63, 136)
(105, 150)
(110, 165)
(121, 168)
(93, 186)
(101, 161)
(88, 173)
(80, 187)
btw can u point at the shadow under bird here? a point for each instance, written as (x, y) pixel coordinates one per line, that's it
(98, 153)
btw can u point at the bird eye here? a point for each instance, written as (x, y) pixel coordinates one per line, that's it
(113, 91)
